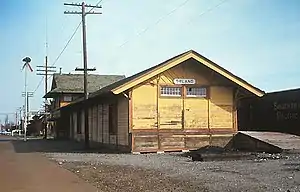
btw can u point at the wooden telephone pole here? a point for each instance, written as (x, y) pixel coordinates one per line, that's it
(48, 70)
(85, 68)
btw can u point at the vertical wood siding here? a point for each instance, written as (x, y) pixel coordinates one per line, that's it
(90, 123)
(105, 124)
(144, 107)
(82, 124)
(99, 124)
(196, 113)
(186, 70)
(221, 107)
(95, 130)
(170, 113)
(172, 123)
(123, 119)
(74, 129)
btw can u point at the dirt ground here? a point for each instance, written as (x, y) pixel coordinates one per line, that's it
(23, 162)
(175, 172)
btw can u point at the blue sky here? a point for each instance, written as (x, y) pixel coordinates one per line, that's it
(256, 40)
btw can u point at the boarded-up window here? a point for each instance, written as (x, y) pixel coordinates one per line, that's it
(112, 118)
(196, 92)
(78, 122)
(171, 91)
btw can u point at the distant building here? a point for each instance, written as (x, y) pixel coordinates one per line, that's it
(68, 87)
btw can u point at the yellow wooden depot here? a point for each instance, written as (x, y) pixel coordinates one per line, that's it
(186, 102)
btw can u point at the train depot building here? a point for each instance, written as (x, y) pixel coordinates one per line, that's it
(184, 103)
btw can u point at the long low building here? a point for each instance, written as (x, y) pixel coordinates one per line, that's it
(184, 103)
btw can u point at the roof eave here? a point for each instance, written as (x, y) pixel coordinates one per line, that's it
(191, 54)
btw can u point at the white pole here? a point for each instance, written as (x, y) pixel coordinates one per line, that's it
(25, 114)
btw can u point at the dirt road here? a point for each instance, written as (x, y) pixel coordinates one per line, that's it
(30, 172)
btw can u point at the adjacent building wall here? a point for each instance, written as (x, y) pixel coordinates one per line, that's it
(100, 132)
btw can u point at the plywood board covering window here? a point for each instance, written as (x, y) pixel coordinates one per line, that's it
(144, 107)
(221, 107)
(196, 114)
(170, 111)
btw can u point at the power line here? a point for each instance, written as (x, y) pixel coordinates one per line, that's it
(156, 23)
(60, 54)
(66, 44)
(39, 84)
(148, 27)
(208, 10)
(95, 6)
(171, 12)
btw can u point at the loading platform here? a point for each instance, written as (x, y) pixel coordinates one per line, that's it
(271, 142)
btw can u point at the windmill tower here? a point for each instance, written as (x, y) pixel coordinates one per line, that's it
(26, 66)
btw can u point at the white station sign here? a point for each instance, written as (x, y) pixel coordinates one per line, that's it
(184, 81)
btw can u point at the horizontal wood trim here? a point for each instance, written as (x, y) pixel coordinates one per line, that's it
(180, 131)
(142, 136)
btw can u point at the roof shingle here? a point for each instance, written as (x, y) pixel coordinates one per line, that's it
(73, 83)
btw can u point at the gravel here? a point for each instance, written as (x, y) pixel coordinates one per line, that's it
(176, 172)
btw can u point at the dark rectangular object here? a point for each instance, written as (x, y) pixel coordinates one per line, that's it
(276, 111)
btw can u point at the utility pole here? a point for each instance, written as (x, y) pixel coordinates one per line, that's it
(48, 70)
(20, 119)
(26, 94)
(85, 68)
(16, 123)
(89, 69)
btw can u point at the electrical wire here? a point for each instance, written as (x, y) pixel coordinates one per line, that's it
(60, 54)
(156, 23)
(208, 10)
(163, 17)
(39, 84)
(67, 44)
(95, 6)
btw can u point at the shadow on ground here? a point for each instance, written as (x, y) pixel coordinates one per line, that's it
(53, 145)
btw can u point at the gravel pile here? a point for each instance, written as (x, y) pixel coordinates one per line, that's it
(266, 172)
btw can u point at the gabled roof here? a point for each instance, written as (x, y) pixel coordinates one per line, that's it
(73, 83)
(129, 82)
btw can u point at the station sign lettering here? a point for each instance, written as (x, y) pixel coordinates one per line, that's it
(184, 81)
